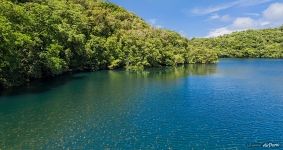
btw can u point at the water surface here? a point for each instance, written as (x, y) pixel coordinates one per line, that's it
(231, 105)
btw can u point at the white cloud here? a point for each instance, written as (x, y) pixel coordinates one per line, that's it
(154, 23)
(219, 31)
(274, 12)
(271, 17)
(253, 2)
(223, 18)
(243, 23)
(158, 26)
(239, 24)
(212, 9)
(183, 33)
(253, 14)
(214, 17)
(237, 3)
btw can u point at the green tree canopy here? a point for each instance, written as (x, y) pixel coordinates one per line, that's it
(42, 38)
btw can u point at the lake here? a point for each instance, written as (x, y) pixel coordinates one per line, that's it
(235, 104)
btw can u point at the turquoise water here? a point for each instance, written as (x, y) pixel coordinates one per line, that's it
(235, 104)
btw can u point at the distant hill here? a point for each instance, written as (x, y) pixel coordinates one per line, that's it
(264, 43)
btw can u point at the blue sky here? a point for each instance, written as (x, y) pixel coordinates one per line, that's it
(207, 18)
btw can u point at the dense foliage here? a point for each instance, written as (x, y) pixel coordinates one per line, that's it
(41, 38)
(266, 43)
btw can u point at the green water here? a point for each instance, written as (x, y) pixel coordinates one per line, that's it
(228, 105)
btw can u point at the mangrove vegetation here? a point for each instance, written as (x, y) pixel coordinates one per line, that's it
(44, 38)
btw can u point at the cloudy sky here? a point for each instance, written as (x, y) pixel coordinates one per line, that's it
(207, 18)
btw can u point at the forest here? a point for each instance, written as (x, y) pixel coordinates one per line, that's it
(40, 39)
(264, 43)
(43, 38)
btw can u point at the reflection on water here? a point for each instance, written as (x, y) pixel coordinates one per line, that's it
(192, 106)
(156, 73)
(178, 72)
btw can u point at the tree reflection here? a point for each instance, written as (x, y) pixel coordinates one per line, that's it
(172, 73)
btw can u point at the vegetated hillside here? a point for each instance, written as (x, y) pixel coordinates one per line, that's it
(265, 43)
(42, 38)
